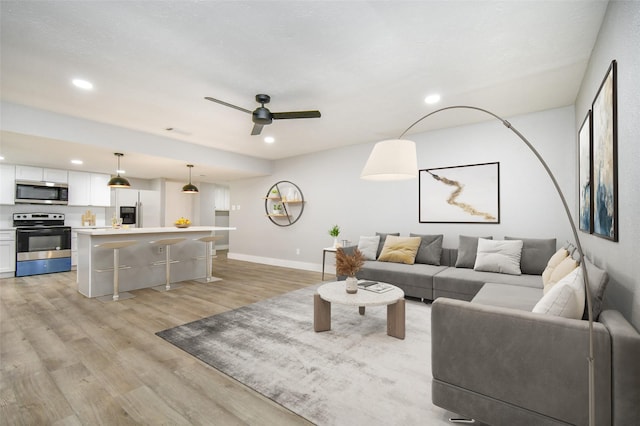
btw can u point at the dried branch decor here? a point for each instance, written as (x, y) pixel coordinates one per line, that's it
(348, 264)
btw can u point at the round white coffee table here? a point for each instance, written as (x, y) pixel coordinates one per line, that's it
(334, 292)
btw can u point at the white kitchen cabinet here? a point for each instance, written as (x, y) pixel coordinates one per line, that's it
(39, 174)
(89, 189)
(29, 173)
(7, 184)
(100, 192)
(7, 252)
(54, 175)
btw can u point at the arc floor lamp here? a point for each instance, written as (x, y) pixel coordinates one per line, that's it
(396, 159)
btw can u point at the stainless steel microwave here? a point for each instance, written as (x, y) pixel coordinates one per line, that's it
(29, 192)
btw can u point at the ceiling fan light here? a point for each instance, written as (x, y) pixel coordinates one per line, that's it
(393, 159)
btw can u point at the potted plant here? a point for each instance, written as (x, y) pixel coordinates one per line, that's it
(277, 208)
(334, 231)
(349, 265)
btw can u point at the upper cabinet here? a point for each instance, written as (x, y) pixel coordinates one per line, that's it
(39, 174)
(89, 189)
(7, 184)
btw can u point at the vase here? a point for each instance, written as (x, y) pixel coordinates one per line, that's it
(336, 244)
(351, 284)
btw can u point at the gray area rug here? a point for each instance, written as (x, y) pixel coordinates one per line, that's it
(353, 374)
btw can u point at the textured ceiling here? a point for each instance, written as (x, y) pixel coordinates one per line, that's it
(366, 65)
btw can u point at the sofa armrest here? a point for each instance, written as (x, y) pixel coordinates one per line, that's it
(533, 361)
(625, 352)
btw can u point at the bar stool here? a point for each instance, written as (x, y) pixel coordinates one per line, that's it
(209, 258)
(116, 246)
(167, 243)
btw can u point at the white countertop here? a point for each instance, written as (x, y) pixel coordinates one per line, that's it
(162, 230)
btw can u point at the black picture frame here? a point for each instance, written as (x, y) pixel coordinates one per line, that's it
(460, 194)
(585, 175)
(605, 157)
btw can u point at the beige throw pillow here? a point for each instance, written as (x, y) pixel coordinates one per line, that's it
(567, 265)
(400, 249)
(553, 263)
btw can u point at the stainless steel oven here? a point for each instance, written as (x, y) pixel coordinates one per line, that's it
(43, 243)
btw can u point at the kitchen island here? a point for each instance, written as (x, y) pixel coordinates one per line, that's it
(137, 268)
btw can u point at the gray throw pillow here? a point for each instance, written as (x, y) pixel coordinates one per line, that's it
(430, 249)
(535, 254)
(467, 250)
(598, 279)
(383, 238)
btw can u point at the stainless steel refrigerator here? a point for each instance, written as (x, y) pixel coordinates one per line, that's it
(147, 206)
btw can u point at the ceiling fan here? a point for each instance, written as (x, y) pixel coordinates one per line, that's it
(261, 116)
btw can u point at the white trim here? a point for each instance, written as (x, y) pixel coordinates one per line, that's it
(306, 266)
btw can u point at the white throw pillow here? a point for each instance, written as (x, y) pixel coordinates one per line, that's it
(499, 256)
(369, 246)
(566, 297)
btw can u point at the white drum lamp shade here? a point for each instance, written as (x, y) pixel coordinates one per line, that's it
(393, 159)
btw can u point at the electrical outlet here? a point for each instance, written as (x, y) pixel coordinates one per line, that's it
(160, 249)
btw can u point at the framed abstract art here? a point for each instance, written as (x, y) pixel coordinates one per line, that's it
(460, 194)
(585, 208)
(605, 158)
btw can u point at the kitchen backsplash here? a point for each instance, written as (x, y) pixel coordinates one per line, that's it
(73, 215)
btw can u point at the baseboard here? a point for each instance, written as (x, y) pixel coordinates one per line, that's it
(305, 266)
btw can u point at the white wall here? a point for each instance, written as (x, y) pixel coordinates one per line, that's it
(619, 39)
(335, 194)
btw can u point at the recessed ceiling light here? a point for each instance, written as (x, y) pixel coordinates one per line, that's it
(269, 139)
(76, 161)
(432, 99)
(82, 84)
(1, 158)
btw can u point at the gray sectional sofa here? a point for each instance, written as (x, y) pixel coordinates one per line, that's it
(497, 362)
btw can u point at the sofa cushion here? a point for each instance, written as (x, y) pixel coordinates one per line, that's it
(467, 249)
(598, 280)
(508, 296)
(565, 299)
(368, 246)
(430, 249)
(498, 256)
(400, 249)
(536, 252)
(464, 284)
(415, 280)
(383, 237)
(567, 265)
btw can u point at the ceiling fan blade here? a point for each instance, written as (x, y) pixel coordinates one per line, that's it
(257, 128)
(227, 104)
(295, 114)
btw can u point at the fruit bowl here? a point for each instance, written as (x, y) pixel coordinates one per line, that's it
(182, 225)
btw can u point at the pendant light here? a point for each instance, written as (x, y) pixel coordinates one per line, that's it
(118, 181)
(190, 188)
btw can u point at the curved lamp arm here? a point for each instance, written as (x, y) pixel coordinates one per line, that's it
(573, 229)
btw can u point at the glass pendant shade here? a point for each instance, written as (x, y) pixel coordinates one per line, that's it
(118, 181)
(190, 188)
(393, 159)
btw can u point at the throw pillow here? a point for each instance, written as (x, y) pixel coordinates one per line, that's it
(598, 280)
(430, 249)
(553, 263)
(567, 265)
(400, 249)
(536, 253)
(369, 246)
(467, 249)
(565, 299)
(499, 256)
(383, 237)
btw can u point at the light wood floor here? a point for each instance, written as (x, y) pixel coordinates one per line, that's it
(69, 360)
